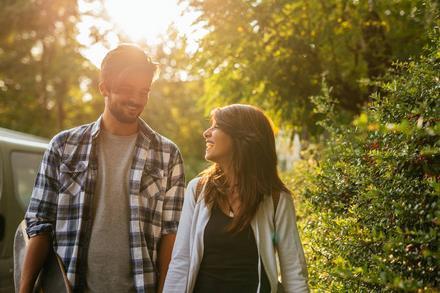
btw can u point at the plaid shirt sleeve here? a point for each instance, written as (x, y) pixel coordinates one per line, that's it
(41, 213)
(173, 201)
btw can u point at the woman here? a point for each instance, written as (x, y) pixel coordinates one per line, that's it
(237, 214)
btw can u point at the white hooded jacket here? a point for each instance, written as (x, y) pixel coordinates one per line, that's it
(188, 248)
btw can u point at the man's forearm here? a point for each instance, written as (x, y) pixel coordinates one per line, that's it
(36, 254)
(165, 251)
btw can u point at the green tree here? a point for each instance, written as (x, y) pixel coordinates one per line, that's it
(273, 53)
(43, 76)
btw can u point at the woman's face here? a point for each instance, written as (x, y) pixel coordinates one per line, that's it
(218, 145)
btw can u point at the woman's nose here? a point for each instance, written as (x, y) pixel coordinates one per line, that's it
(207, 133)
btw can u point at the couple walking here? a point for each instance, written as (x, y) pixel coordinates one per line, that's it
(110, 199)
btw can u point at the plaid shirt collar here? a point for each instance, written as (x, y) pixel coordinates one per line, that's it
(148, 134)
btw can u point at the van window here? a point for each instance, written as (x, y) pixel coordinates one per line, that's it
(25, 167)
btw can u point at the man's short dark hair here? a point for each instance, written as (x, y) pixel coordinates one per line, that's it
(125, 57)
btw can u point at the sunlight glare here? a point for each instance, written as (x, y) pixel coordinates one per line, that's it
(143, 19)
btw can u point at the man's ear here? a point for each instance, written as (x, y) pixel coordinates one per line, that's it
(103, 89)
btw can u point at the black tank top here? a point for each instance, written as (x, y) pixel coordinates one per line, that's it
(230, 261)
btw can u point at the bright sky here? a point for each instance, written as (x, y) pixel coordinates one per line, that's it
(141, 20)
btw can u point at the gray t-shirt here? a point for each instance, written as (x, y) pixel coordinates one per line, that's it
(108, 263)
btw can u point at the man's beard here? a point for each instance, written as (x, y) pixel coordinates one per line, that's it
(116, 109)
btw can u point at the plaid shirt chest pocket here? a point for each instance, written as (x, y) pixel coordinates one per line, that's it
(71, 194)
(73, 177)
(153, 183)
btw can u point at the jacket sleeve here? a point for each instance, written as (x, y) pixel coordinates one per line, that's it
(292, 260)
(178, 270)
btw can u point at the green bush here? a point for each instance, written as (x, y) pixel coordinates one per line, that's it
(369, 211)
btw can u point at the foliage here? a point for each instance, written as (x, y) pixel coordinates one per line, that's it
(173, 109)
(370, 209)
(273, 53)
(173, 112)
(43, 76)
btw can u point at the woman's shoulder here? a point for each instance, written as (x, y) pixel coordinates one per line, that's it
(285, 194)
(197, 182)
(283, 198)
(193, 183)
(195, 187)
(281, 195)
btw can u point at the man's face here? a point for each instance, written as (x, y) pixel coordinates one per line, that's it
(129, 95)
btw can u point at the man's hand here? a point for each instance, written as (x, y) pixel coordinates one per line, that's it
(36, 254)
(165, 250)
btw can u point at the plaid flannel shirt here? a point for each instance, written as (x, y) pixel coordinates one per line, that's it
(62, 199)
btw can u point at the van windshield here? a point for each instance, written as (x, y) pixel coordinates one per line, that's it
(25, 166)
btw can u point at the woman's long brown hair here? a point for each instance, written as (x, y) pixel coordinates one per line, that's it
(254, 162)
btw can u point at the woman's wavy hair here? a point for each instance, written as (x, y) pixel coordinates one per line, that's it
(254, 162)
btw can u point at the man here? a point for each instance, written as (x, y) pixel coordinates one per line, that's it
(109, 194)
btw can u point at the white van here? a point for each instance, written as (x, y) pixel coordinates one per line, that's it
(20, 159)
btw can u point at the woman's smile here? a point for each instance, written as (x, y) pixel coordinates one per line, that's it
(209, 144)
